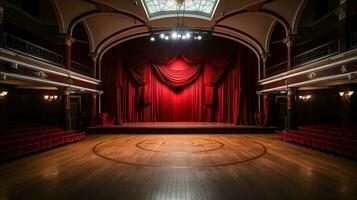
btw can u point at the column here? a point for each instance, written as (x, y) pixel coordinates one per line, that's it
(2, 15)
(264, 57)
(289, 42)
(93, 109)
(341, 13)
(291, 108)
(266, 109)
(68, 41)
(94, 57)
(66, 102)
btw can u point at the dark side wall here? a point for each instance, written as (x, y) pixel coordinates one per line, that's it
(29, 106)
(326, 106)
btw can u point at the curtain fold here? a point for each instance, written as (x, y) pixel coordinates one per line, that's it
(202, 82)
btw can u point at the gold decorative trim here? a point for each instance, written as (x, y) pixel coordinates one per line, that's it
(312, 75)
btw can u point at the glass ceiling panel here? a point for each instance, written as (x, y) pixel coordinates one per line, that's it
(170, 8)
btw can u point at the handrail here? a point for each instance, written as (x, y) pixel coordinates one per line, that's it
(32, 50)
(352, 40)
(318, 53)
(275, 69)
(81, 68)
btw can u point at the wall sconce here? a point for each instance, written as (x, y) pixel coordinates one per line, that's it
(50, 98)
(3, 93)
(346, 96)
(305, 98)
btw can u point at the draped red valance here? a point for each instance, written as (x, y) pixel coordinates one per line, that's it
(178, 73)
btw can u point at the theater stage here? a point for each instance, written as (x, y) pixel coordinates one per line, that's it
(179, 127)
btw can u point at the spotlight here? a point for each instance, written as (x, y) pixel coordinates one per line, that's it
(179, 36)
(188, 35)
(162, 36)
(174, 35)
(166, 37)
(199, 37)
(184, 37)
(152, 39)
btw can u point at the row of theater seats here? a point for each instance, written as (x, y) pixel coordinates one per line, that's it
(23, 140)
(337, 139)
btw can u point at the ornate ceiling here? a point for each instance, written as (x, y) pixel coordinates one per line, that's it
(110, 22)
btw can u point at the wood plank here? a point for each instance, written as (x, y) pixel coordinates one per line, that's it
(188, 166)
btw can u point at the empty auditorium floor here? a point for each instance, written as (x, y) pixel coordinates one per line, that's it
(197, 166)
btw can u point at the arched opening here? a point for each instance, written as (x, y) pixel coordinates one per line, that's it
(42, 35)
(81, 61)
(278, 59)
(318, 31)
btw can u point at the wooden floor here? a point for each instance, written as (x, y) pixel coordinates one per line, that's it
(180, 167)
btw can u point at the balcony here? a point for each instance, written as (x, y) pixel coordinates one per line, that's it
(82, 69)
(32, 50)
(29, 49)
(352, 40)
(317, 53)
(276, 69)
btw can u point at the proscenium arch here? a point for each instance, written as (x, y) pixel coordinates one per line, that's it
(234, 38)
(243, 36)
(117, 34)
(217, 33)
(264, 12)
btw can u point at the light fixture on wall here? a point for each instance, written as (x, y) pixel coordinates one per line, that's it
(305, 98)
(3, 93)
(346, 95)
(50, 98)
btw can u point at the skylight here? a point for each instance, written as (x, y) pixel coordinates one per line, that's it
(203, 9)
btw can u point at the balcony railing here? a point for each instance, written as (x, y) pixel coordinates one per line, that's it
(352, 40)
(32, 50)
(82, 69)
(317, 53)
(276, 69)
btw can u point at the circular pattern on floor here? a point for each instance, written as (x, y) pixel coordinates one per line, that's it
(180, 145)
(180, 151)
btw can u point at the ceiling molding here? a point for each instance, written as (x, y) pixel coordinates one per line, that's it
(270, 33)
(90, 36)
(61, 26)
(265, 12)
(243, 35)
(93, 13)
(297, 16)
(115, 34)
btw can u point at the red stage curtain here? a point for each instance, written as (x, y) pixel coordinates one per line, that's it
(201, 83)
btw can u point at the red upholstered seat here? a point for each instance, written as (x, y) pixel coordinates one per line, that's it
(20, 141)
(334, 138)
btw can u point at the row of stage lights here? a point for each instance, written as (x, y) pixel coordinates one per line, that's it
(177, 36)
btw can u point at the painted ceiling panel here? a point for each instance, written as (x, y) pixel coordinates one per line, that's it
(254, 24)
(105, 24)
